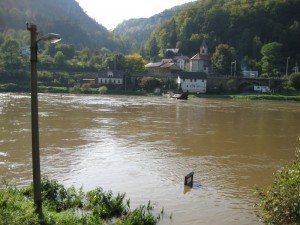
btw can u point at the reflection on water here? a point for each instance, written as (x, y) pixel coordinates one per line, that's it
(145, 146)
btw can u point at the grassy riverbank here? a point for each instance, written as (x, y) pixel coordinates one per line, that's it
(71, 206)
(80, 90)
(250, 97)
(267, 97)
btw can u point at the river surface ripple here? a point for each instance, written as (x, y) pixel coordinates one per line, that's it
(144, 146)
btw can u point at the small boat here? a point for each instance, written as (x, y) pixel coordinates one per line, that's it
(177, 95)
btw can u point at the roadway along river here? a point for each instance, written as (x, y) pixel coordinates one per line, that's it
(144, 146)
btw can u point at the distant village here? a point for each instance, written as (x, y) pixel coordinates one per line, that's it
(194, 74)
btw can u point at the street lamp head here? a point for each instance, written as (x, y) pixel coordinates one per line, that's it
(51, 37)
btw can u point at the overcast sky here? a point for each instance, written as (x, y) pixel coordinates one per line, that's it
(110, 13)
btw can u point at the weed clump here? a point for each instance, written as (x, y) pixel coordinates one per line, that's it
(70, 206)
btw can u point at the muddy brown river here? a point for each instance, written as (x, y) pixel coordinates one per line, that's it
(144, 146)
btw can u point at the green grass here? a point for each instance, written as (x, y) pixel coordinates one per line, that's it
(48, 89)
(70, 207)
(249, 97)
(267, 97)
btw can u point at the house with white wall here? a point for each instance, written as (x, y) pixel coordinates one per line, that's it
(182, 62)
(106, 77)
(202, 60)
(193, 82)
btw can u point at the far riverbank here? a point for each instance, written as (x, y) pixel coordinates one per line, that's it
(251, 97)
(46, 89)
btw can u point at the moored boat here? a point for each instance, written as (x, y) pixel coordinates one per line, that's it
(178, 95)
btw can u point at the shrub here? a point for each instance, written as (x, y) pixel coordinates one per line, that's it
(140, 216)
(150, 83)
(104, 204)
(76, 89)
(294, 81)
(45, 76)
(280, 204)
(9, 87)
(103, 90)
(47, 89)
(231, 84)
(69, 206)
(15, 208)
(58, 89)
(86, 88)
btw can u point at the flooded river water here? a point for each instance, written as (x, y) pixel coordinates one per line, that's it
(144, 146)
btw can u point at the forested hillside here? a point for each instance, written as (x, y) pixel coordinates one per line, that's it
(65, 17)
(136, 32)
(260, 35)
(245, 25)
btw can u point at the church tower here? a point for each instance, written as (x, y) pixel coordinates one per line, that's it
(202, 60)
(203, 48)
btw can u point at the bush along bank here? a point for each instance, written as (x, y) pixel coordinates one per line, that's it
(280, 203)
(71, 206)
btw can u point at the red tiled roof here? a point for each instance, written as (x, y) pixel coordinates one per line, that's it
(198, 56)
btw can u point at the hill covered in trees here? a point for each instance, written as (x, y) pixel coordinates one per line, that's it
(136, 32)
(65, 17)
(259, 34)
(244, 25)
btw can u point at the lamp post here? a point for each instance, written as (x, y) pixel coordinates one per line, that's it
(231, 68)
(287, 66)
(53, 38)
(235, 68)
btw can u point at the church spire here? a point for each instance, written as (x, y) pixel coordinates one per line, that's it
(204, 48)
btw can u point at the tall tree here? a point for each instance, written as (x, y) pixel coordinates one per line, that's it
(10, 54)
(223, 58)
(134, 63)
(272, 62)
(59, 58)
(153, 48)
(172, 34)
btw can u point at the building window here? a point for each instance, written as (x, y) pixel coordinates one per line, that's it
(110, 74)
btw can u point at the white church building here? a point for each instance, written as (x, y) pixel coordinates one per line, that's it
(202, 60)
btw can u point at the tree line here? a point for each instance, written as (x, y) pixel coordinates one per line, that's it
(14, 58)
(259, 34)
